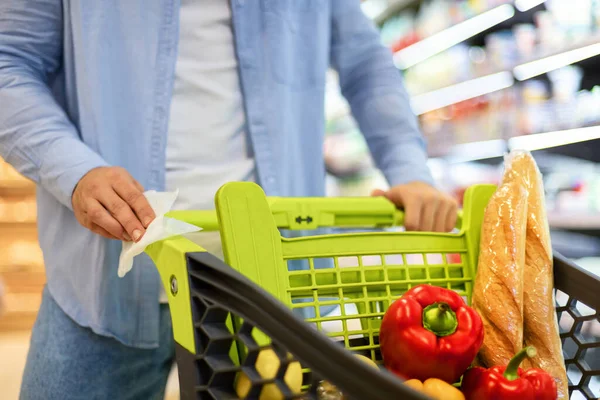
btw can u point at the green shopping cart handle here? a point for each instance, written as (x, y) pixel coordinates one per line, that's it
(297, 213)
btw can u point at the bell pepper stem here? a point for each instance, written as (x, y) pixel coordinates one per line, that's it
(511, 371)
(440, 319)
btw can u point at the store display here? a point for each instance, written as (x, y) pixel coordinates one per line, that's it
(539, 318)
(510, 381)
(468, 93)
(435, 326)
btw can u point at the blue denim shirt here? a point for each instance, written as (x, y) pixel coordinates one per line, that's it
(85, 84)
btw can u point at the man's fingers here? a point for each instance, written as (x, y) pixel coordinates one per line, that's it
(97, 215)
(452, 216)
(102, 232)
(412, 215)
(429, 209)
(138, 186)
(377, 193)
(442, 216)
(136, 200)
(123, 213)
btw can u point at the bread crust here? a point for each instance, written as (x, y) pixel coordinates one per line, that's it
(540, 325)
(498, 287)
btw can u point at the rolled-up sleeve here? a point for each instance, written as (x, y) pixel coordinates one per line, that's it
(36, 135)
(374, 89)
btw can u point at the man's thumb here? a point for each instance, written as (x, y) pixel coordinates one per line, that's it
(378, 193)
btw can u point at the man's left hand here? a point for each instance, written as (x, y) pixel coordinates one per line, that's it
(426, 208)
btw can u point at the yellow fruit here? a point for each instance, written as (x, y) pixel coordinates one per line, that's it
(368, 361)
(436, 389)
(415, 384)
(267, 365)
(441, 390)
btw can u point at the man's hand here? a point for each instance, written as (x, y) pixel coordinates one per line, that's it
(109, 202)
(426, 208)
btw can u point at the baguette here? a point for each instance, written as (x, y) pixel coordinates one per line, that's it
(540, 325)
(498, 287)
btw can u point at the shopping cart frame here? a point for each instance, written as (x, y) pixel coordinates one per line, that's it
(203, 289)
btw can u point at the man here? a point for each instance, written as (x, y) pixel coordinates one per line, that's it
(101, 100)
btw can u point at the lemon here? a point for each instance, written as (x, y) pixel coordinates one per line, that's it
(267, 365)
(368, 361)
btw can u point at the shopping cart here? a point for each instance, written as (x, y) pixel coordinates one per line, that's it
(224, 313)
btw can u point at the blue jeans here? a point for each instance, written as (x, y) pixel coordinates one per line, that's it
(67, 361)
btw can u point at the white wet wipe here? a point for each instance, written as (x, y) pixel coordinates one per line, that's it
(160, 229)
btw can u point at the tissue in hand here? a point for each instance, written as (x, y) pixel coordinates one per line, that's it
(161, 228)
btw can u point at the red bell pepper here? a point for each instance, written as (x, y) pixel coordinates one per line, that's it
(510, 382)
(430, 332)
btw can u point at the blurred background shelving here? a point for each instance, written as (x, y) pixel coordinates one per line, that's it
(484, 77)
(21, 265)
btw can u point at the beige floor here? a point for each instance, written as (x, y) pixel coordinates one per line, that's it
(13, 352)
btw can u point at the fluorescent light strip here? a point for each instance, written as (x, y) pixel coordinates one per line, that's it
(526, 5)
(546, 140)
(477, 151)
(458, 33)
(538, 67)
(440, 98)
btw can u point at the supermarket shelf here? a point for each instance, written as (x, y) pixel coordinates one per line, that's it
(22, 299)
(493, 150)
(474, 151)
(574, 221)
(17, 186)
(436, 99)
(540, 141)
(445, 39)
(18, 224)
(17, 321)
(503, 79)
(568, 55)
(397, 6)
(394, 8)
(498, 80)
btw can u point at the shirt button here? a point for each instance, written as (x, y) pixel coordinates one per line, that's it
(240, 2)
(270, 180)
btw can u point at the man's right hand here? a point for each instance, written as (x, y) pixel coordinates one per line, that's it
(109, 202)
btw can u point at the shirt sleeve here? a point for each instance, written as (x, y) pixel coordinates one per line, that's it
(373, 87)
(36, 135)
